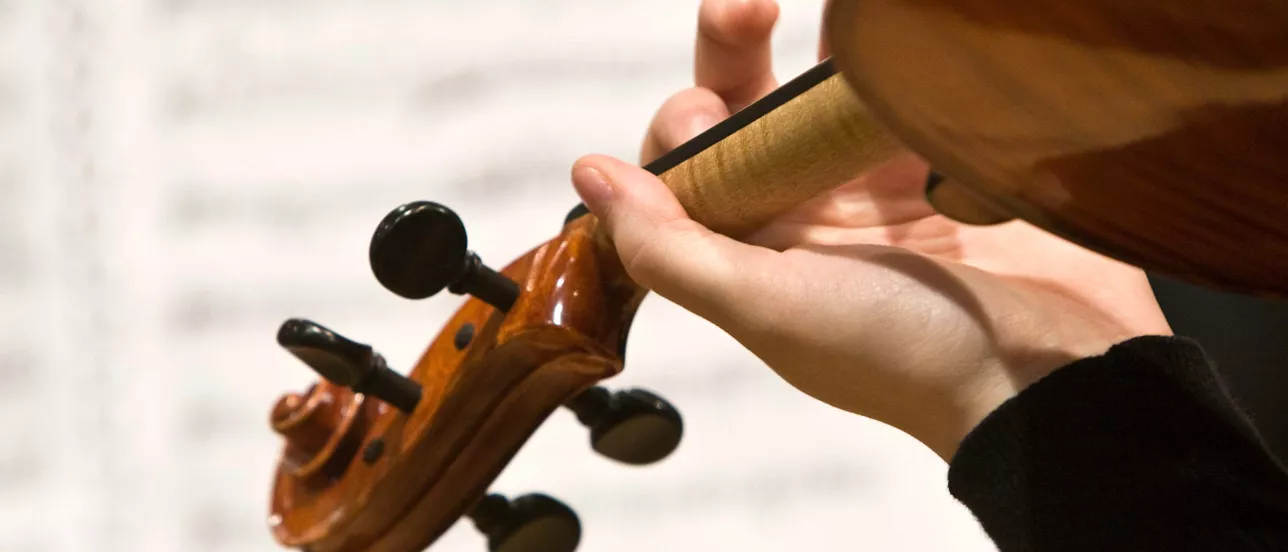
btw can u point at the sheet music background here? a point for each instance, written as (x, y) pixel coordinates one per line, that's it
(178, 176)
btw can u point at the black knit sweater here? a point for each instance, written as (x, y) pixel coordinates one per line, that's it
(1139, 449)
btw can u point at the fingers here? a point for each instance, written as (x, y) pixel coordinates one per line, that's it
(888, 195)
(734, 56)
(686, 114)
(933, 236)
(662, 248)
(824, 43)
(891, 193)
(733, 68)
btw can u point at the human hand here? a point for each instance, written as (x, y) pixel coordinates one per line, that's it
(864, 297)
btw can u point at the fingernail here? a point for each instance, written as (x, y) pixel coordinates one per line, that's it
(593, 188)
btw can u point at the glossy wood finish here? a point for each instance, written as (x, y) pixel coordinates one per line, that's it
(1152, 131)
(479, 405)
(322, 429)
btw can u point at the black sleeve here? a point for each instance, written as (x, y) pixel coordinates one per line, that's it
(1141, 449)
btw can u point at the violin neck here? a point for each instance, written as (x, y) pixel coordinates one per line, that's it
(746, 117)
(810, 136)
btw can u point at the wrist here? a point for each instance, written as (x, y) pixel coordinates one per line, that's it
(965, 408)
(1005, 380)
(1000, 379)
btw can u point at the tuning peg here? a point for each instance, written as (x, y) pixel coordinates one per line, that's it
(530, 523)
(347, 363)
(633, 427)
(421, 248)
(577, 212)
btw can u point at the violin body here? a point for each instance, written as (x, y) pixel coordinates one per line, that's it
(1153, 132)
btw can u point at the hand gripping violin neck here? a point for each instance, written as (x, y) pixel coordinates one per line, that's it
(378, 459)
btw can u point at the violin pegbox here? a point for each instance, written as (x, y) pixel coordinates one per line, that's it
(378, 460)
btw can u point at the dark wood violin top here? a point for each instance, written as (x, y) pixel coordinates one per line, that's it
(1150, 131)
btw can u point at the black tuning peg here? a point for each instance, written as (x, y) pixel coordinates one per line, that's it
(347, 363)
(530, 523)
(633, 427)
(420, 248)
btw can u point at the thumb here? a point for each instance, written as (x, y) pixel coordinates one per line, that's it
(663, 249)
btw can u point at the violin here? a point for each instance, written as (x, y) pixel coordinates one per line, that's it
(1093, 121)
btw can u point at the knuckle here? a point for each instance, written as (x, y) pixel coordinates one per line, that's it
(660, 258)
(674, 119)
(688, 103)
(649, 257)
(676, 123)
(642, 264)
(717, 21)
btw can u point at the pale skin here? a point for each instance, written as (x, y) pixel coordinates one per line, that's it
(864, 297)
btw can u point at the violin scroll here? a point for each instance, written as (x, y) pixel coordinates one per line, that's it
(322, 429)
(406, 456)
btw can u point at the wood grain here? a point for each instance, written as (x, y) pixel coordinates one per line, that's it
(812, 144)
(1153, 132)
(321, 429)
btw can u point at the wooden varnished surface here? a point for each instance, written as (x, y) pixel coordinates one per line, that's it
(478, 407)
(1153, 131)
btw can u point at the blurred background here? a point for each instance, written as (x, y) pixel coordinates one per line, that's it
(179, 176)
